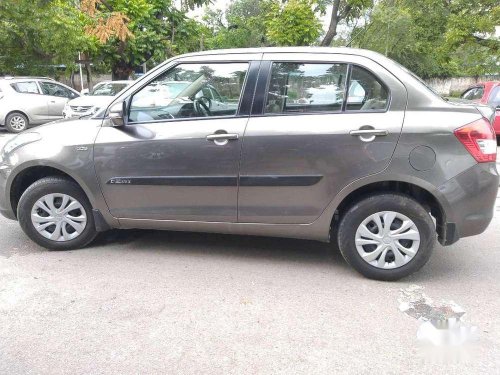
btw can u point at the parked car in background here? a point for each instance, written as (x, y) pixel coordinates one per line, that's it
(26, 101)
(486, 93)
(382, 175)
(100, 97)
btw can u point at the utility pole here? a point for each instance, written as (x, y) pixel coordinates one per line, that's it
(81, 73)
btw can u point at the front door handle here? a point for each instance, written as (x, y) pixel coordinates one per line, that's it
(221, 139)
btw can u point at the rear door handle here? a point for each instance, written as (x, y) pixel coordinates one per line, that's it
(369, 132)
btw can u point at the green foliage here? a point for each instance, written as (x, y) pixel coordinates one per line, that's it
(434, 37)
(37, 35)
(431, 37)
(293, 23)
(158, 30)
(242, 25)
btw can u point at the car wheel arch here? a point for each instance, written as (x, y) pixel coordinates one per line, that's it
(30, 120)
(428, 196)
(31, 173)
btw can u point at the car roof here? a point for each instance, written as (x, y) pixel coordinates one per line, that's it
(23, 78)
(337, 50)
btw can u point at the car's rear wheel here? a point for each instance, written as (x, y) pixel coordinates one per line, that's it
(56, 214)
(16, 122)
(386, 236)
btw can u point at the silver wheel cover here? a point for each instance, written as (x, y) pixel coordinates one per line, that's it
(58, 217)
(17, 123)
(387, 240)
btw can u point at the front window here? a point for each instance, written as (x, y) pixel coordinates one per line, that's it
(53, 89)
(185, 92)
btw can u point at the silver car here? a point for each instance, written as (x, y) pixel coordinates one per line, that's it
(26, 101)
(381, 177)
(100, 97)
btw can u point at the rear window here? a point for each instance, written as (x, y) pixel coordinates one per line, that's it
(319, 87)
(26, 87)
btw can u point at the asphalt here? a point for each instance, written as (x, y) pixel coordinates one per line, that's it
(146, 302)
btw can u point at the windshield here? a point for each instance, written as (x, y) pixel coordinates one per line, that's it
(108, 89)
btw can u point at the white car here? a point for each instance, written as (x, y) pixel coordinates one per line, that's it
(27, 101)
(100, 97)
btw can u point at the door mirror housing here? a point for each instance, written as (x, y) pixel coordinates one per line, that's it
(118, 114)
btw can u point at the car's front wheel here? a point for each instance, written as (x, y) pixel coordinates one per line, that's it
(16, 122)
(386, 236)
(56, 214)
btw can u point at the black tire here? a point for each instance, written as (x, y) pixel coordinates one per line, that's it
(14, 115)
(361, 210)
(49, 185)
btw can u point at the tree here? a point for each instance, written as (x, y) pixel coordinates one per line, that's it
(133, 32)
(36, 36)
(434, 37)
(241, 25)
(293, 23)
(342, 10)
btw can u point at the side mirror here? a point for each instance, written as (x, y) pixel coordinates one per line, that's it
(118, 114)
(84, 92)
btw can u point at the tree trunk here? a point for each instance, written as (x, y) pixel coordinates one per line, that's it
(121, 71)
(72, 78)
(332, 28)
(89, 76)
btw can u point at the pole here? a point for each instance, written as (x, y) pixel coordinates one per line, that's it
(81, 73)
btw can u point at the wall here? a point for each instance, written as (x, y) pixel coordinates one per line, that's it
(456, 85)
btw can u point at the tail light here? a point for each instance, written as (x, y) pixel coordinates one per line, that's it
(479, 139)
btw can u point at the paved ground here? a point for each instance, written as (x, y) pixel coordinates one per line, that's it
(147, 302)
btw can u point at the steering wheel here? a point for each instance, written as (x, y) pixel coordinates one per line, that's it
(202, 106)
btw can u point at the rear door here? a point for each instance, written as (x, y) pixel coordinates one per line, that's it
(307, 139)
(29, 100)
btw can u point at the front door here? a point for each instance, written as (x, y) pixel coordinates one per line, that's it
(322, 122)
(178, 157)
(57, 96)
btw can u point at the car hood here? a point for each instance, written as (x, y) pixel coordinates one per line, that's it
(89, 100)
(69, 131)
